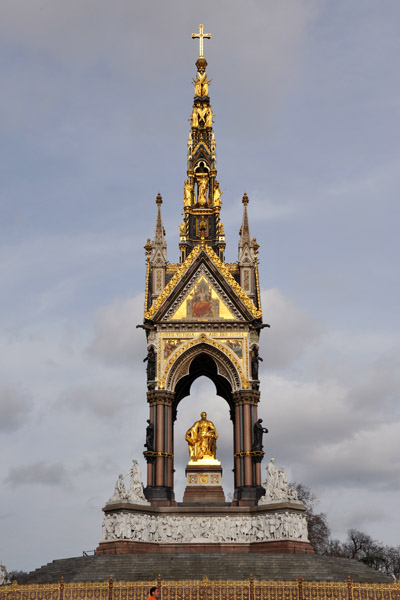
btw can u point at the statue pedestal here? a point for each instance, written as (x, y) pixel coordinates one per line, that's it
(203, 485)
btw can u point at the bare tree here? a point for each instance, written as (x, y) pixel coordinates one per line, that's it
(318, 530)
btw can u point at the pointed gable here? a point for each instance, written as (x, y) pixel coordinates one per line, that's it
(203, 289)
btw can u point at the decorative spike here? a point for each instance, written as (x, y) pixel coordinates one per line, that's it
(159, 247)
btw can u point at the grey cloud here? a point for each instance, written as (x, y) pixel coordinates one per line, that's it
(292, 330)
(116, 340)
(380, 390)
(39, 473)
(104, 402)
(15, 409)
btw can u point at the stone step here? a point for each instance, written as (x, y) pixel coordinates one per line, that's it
(235, 566)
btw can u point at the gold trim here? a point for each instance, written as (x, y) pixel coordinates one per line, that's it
(171, 284)
(163, 454)
(233, 283)
(257, 314)
(146, 295)
(199, 340)
(253, 453)
(257, 283)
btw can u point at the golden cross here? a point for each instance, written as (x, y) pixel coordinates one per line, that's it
(201, 37)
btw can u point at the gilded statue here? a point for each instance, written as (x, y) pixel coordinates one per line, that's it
(203, 187)
(201, 85)
(202, 113)
(195, 117)
(209, 118)
(187, 196)
(182, 228)
(217, 194)
(202, 439)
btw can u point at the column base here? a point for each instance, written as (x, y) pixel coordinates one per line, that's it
(160, 495)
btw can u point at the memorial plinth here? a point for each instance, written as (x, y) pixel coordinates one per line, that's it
(203, 482)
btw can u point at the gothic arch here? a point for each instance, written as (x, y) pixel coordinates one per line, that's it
(224, 368)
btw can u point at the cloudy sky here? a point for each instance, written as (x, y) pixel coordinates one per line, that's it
(94, 110)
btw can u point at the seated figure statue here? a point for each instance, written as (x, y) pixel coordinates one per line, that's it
(202, 439)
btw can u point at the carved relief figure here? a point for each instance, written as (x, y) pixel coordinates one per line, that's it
(202, 439)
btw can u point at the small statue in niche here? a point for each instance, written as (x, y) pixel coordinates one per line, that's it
(151, 364)
(149, 445)
(217, 194)
(202, 111)
(203, 187)
(188, 191)
(195, 117)
(255, 358)
(258, 431)
(208, 118)
(201, 84)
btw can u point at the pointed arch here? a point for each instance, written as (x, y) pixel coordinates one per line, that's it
(215, 364)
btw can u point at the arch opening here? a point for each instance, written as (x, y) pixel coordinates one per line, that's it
(203, 365)
(203, 397)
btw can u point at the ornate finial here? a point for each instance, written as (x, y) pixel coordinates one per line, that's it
(245, 199)
(201, 35)
(159, 199)
(256, 246)
(148, 246)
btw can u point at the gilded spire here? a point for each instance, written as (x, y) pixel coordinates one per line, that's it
(202, 194)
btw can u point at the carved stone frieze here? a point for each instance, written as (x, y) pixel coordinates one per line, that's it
(200, 529)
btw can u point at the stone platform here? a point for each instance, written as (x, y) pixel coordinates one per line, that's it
(204, 528)
(146, 567)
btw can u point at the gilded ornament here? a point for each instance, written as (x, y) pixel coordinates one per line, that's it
(217, 194)
(171, 284)
(188, 193)
(202, 440)
(233, 283)
(201, 37)
(202, 181)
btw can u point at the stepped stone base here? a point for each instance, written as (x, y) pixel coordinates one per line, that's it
(179, 566)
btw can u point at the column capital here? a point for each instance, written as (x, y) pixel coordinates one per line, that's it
(246, 397)
(160, 397)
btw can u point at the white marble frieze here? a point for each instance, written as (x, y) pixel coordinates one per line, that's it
(204, 529)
